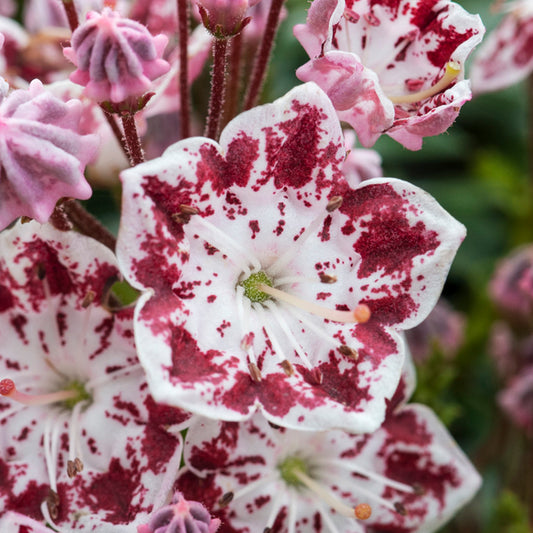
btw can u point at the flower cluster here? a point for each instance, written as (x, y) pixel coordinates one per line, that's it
(263, 277)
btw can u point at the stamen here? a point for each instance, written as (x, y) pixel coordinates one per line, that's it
(8, 389)
(287, 368)
(247, 336)
(249, 488)
(349, 352)
(226, 499)
(255, 373)
(326, 278)
(334, 203)
(88, 299)
(453, 69)
(360, 314)
(363, 511)
(226, 241)
(326, 496)
(284, 326)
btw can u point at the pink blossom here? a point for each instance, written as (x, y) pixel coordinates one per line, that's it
(116, 58)
(506, 56)
(181, 516)
(517, 400)
(409, 474)
(83, 443)
(390, 67)
(511, 287)
(42, 153)
(207, 227)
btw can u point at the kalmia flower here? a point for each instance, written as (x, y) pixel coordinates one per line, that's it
(181, 516)
(268, 282)
(116, 57)
(407, 476)
(516, 399)
(42, 153)
(391, 67)
(82, 444)
(506, 57)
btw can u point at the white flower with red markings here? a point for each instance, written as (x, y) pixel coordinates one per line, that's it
(407, 476)
(83, 444)
(270, 283)
(393, 67)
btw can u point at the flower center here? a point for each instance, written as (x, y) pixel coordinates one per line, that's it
(289, 469)
(251, 286)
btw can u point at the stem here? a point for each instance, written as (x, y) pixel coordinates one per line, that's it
(530, 132)
(87, 224)
(72, 15)
(218, 78)
(234, 81)
(263, 54)
(116, 131)
(135, 151)
(183, 36)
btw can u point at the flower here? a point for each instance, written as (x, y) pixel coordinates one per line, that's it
(511, 287)
(116, 57)
(83, 444)
(407, 476)
(505, 58)
(516, 399)
(251, 255)
(442, 331)
(360, 163)
(42, 153)
(390, 67)
(181, 516)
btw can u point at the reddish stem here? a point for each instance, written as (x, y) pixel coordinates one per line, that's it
(88, 224)
(183, 36)
(135, 151)
(72, 15)
(218, 78)
(263, 54)
(234, 80)
(117, 132)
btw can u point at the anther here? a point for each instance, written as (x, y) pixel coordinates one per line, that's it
(74, 467)
(267, 530)
(400, 508)
(363, 511)
(52, 502)
(326, 278)
(88, 299)
(334, 203)
(287, 367)
(24, 219)
(184, 216)
(317, 376)
(40, 271)
(418, 489)
(255, 373)
(225, 499)
(349, 352)
(453, 69)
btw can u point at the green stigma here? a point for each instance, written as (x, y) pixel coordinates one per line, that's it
(250, 287)
(289, 466)
(79, 394)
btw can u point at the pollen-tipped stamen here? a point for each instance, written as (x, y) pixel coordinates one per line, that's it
(360, 314)
(453, 69)
(341, 508)
(8, 389)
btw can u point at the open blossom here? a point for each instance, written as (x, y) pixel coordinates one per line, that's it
(506, 56)
(42, 153)
(408, 476)
(83, 443)
(181, 516)
(116, 57)
(268, 282)
(393, 67)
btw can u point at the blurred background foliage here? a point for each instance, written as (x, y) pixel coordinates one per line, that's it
(480, 172)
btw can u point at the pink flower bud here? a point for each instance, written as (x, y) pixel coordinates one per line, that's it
(180, 516)
(116, 57)
(42, 153)
(224, 18)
